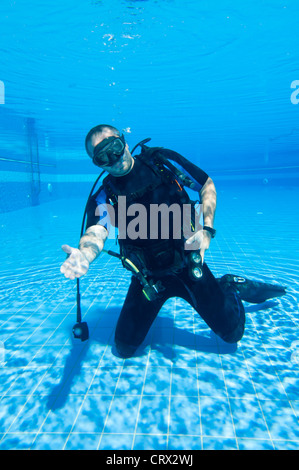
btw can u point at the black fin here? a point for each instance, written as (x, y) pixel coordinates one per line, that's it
(254, 292)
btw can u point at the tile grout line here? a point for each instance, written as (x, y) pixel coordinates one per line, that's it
(141, 397)
(258, 400)
(198, 388)
(91, 382)
(171, 375)
(47, 369)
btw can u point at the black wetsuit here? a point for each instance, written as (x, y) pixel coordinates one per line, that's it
(217, 303)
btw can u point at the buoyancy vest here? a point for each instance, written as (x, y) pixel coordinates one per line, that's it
(162, 175)
(161, 256)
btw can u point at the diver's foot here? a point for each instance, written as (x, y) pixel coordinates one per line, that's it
(254, 292)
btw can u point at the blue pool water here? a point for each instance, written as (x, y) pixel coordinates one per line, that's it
(185, 388)
(219, 84)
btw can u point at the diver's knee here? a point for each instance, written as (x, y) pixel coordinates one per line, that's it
(125, 350)
(230, 339)
(235, 336)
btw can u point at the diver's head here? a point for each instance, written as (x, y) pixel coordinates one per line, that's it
(108, 150)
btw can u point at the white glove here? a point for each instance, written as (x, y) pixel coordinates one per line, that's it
(76, 265)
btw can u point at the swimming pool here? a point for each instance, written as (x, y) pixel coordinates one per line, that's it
(185, 388)
(217, 83)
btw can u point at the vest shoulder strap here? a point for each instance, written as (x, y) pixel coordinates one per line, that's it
(164, 172)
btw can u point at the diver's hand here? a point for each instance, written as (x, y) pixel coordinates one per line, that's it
(199, 241)
(76, 264)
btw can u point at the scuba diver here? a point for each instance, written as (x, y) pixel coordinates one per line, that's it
(162, 266)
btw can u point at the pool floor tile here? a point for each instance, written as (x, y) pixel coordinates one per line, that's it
(185, 388)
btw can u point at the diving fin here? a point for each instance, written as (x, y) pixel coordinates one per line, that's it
(255, 292)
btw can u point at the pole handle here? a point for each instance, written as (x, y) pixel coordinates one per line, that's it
(79, 316)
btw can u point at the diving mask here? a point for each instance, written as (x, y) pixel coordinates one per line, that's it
(109, 151)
